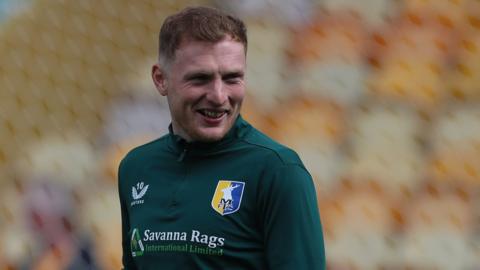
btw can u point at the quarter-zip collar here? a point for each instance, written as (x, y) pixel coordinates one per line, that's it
(182, 148)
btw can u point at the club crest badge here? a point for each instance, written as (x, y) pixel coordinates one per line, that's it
(227, 197)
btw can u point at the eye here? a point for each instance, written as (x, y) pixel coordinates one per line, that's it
(200, 79)
(233, 78)
(233, 81)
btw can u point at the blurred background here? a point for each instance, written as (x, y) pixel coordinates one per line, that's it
(379, 97)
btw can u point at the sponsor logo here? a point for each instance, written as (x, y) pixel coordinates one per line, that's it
(136, 245)
(192, 242)
(138, 191)
(227, 197)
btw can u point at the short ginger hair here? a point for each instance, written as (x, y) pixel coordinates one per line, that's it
(198, 24)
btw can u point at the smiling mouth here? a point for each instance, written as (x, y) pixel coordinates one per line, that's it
(215, 114)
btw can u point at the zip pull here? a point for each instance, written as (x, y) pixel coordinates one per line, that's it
(182, 155)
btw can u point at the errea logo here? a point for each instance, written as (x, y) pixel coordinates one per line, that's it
(138, 191)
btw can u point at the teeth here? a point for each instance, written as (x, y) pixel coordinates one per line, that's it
(212, 114)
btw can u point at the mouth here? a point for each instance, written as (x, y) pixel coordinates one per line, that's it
(212, 113)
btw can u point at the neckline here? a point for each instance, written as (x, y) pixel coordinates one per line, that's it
(181, 146)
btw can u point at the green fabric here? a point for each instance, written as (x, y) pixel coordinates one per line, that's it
(166, 190)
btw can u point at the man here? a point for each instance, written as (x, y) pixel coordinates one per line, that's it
(214, 193)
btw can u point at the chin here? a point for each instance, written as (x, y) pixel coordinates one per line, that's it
(211, 135)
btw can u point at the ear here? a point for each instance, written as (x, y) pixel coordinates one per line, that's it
(159, 78)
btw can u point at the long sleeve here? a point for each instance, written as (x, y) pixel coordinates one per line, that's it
(291, 221)
(127, 254)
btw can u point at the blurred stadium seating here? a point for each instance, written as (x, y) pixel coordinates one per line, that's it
(380, 98)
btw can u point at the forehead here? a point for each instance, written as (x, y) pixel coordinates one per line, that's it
(226, 53)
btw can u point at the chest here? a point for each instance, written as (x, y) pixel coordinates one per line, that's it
(201, 204)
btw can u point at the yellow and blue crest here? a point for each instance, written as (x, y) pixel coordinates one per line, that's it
(227, 196)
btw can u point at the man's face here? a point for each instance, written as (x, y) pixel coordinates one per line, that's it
(205, 88)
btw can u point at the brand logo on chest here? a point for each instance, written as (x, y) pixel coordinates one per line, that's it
(138, 191)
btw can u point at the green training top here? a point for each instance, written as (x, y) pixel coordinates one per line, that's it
(244, 202)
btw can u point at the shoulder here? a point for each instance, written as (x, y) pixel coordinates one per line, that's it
(274, 152)
(148, 148)
(140, 154)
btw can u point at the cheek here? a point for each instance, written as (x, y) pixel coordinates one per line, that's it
(180, 99)
(237, 94)
(191, 94)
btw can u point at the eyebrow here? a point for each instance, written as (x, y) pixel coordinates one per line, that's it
(197, 74)
(208, 74)
(233, 74)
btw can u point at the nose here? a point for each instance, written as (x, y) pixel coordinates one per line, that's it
(217, 94)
